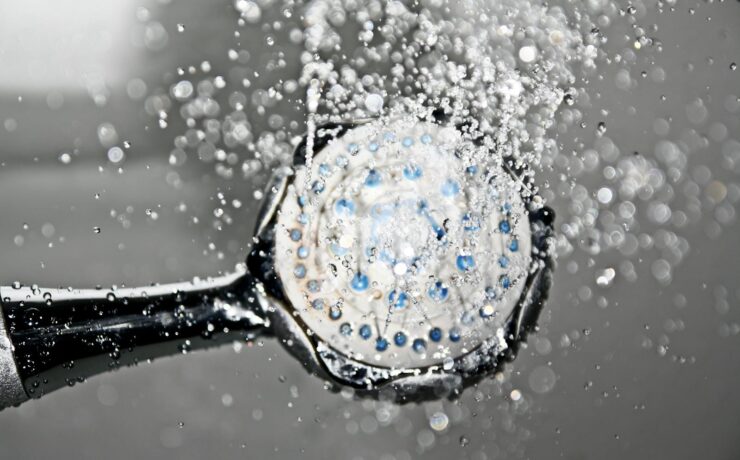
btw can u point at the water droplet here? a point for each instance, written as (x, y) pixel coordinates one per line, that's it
(374, 103)
(528, 54)
(439, 421)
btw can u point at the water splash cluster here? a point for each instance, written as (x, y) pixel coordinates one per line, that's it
(533, 81)
(503, 68)
(516, 73)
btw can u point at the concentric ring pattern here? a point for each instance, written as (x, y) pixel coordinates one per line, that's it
(398, 246)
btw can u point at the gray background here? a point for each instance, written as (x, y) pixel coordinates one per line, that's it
(616, 396)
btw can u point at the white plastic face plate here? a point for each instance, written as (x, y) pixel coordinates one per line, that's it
(398, 249)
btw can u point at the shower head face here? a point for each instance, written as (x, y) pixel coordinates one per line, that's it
(400, 245)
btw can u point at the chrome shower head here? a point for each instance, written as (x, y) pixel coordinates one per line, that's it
(397, 255)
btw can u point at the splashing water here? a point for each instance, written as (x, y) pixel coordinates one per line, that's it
(623, 116)
(519, 76)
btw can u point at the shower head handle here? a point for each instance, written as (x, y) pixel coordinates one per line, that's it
(52, 338)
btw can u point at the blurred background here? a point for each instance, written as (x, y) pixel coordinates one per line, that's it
(96, 189)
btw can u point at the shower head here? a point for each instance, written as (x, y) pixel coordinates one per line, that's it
(398, 256)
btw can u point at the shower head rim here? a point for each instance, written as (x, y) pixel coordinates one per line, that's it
(321, 358)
